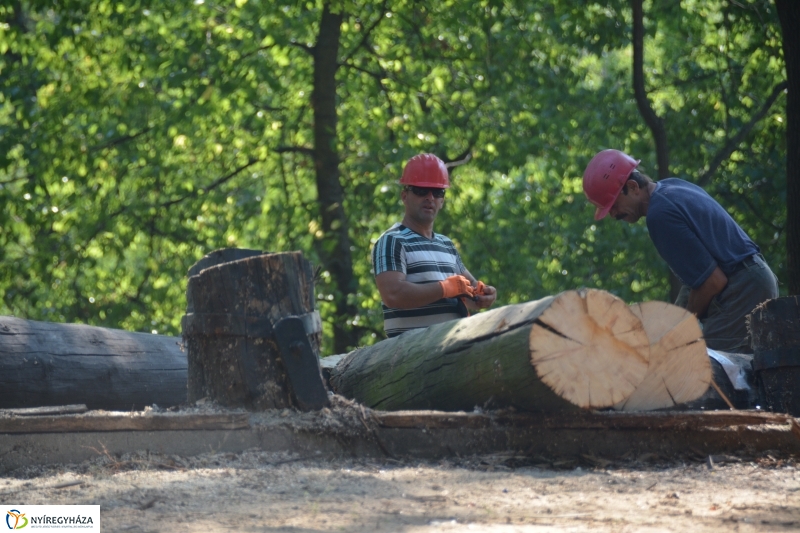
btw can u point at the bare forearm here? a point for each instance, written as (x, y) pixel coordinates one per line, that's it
(401, 294)
(700, 298)
(407, 295)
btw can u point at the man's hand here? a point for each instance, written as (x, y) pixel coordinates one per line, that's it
(455, 286)
(485, 295)
(700, 298)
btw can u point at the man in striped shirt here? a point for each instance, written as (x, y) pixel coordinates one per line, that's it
(419, 273)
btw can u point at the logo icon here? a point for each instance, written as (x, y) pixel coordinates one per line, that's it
(17, 516)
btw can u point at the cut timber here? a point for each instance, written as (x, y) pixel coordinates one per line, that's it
(775, 335)
(576, 349)
(233, 355)
(48, 364)
(115, 421)
(679, 369)
(589, 348)
(46, 411)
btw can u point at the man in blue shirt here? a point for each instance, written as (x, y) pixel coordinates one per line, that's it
(724, 275)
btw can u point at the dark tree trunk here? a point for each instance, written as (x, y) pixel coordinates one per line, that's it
(233, 356)
(653, 121)
(334, 248)
(789, 15)
(44, 364)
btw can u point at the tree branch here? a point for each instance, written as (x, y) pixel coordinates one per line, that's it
(726, 151)
(305, 48)
(120, 140)
(757, 212)
(216, 183)
(366, 35)
(296, 149)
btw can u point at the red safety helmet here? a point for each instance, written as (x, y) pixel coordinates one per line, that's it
(425, 170)
(604, 177)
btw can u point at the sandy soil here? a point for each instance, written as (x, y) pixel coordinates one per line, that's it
(257, 491)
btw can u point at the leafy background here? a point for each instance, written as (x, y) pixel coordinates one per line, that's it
(137, 136)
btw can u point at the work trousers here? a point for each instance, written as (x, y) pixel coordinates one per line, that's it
(725, 324)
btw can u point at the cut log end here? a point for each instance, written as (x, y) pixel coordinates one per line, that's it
(679, 369)
(590, 348)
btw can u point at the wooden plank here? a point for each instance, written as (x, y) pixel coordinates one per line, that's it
(44, 411)
(604, 420)
(139, 421)
(124, 422)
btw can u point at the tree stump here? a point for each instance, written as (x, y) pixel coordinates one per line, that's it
(46, 364)
(578, 349)
(775, 338)
(233, 356)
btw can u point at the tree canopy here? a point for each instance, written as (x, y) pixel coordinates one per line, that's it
(137, 136)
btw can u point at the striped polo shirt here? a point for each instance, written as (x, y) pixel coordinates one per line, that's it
(422, 260)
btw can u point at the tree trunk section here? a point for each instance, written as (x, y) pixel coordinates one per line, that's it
(233, 357)
(789, 15)
(679, 370)
(775, 337)
(578, 349)
(334, 247)
(47, 364)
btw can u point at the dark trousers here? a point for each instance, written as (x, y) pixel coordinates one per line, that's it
(725, 324)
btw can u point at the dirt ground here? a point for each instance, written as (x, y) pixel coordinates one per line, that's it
(256, 491)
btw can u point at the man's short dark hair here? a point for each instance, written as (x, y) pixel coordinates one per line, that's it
(642, 180)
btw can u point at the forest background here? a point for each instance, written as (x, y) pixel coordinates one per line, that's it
(137, 136)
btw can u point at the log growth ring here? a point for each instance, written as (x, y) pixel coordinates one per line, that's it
(679, 370)
(589, 348)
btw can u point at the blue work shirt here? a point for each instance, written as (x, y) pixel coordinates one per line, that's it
(693, 233)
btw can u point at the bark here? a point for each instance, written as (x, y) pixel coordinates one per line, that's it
(47, 364)
(775, 333)
(679, 370)
(233, 357)
(334, 248)
(789, 15)
(577, 349)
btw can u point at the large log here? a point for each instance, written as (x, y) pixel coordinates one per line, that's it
(578, 349)
(679, 370)
(46, 364)
(230, 325)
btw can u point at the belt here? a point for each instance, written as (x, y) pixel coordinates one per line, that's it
(744, 263)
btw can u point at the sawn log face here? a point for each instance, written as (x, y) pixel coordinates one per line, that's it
(679, 370)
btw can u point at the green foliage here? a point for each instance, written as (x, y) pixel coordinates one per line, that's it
(137, 136)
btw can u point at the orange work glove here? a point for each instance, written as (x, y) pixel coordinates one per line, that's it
(479, 289)
(456, 286)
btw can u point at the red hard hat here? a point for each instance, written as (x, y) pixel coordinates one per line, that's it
(604, 177)
(426, 170)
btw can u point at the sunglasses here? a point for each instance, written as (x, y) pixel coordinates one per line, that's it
(423, 191)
